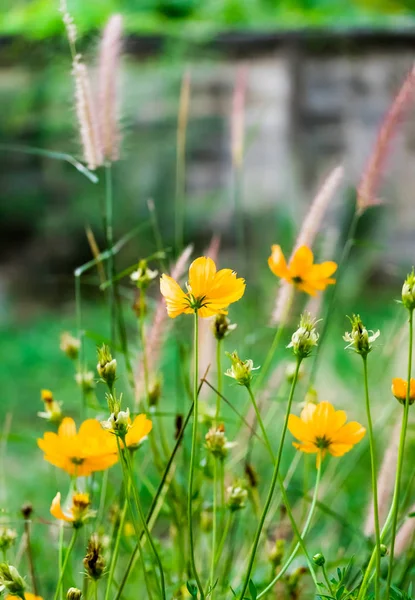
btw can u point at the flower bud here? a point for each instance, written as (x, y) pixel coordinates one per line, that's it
(305, 338)
(241, 370)
(27, 510)
(85, 380)
(408, 291)
(53, 411)
(217, 443)
(7, 538)
(237, 496)
(383, 550)
(206, 521)
(94, 562)
(73, 594)
(319, 560)
(118, 423)
(154, 392)
(70, 345)
(400, 390)
(360, 339)
(277, 553)
(12, 580)
(107, 366)
(222, 327)
(251, 475)
(143, 276)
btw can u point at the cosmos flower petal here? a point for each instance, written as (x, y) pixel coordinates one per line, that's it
(351, 433)
(176, 300)
(57, 512)
(299, 429)
(67, 428)
(202, 272)
(278, 264)
(307, 448)
(301, 262)
(140, 428)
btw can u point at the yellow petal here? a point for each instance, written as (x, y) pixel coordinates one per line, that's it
(277, 263)
(57, 512)
(140, 428)
(176, 300)
(201, 275)
(301, 262)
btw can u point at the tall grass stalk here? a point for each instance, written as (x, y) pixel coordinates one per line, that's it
(65, 564)
(182, 121)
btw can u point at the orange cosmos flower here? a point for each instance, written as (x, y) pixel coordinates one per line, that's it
(80, 453)
(301, 270)
(400, 388)
(209, 292)
(322, 429)
(78, 511)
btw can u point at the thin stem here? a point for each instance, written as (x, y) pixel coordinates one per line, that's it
(127, 480)
(397, 489)
(114, 556)
(193, 455)
(374, 478)
(395, 500)
(301, 537)
(181, 160)
(65, 564)
(60, 552)
(327, 580)
(272, 486)
(268, 360)
(223, 538)
(144, 523)
(30, 556)
(214, 524)
(219, 377)
(143, 342)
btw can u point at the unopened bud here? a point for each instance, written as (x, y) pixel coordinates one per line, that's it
(408, 291)
(118, 423)
(70, 345)
(86, 381)
(11, 579)
(360, 339)
(143, 276)
(154, 392)
(237, 496)
(319, 560)
(206, 521)
(73, 594)
(217, 443)
(305, 338)
(107, 366)
(222, 327)
(94, 562)
(53, 411)
(383, 550)
(277, 553)
(7, 538)
(241, 370)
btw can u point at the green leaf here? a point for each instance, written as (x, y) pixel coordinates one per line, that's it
(192, 589)
(253, 590)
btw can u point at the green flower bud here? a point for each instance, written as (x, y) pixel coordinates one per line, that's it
(241, 370)
(305, 338)
(70, 345)
(319, 560)
(107, 366)
(94, 562)
(360, 339)
(383, 550)
(237, 496)
(222, 327)
(143, 276)
(73, 594)
(217, 443)
(12, 580)
(408, 291)
(7, 538)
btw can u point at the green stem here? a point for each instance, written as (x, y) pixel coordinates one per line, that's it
(399, 469)
(60, 552)
(268, 360)
(219, 376)
(144, 522)
(327, 580)
(193, 455)
(223, 538)
(272, 486)
(395, 500)
(143, 343)
(374, 478)
(300, 537)
(114, 556)
(65, 564)
(214, 525)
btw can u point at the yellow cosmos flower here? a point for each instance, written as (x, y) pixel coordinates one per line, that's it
(209, 292)
(82, 453)
(78, 511)
(28, 596)
(301, 270)
(400, 387)
(322, 429)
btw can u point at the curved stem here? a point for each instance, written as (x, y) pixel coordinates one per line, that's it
(327, 580)
(110, 242)
(219, 376)
(272, 486)
(397, 489)
(193, 455)
(299, 544)
(214, 525)
(223, 538)
(374, 478)
(65, 564)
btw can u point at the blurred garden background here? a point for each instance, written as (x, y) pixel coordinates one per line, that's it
(317, 78)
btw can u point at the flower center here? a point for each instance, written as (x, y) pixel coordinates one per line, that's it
(76, 460)
(196, 303)
(297, 279)
(322, 442)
